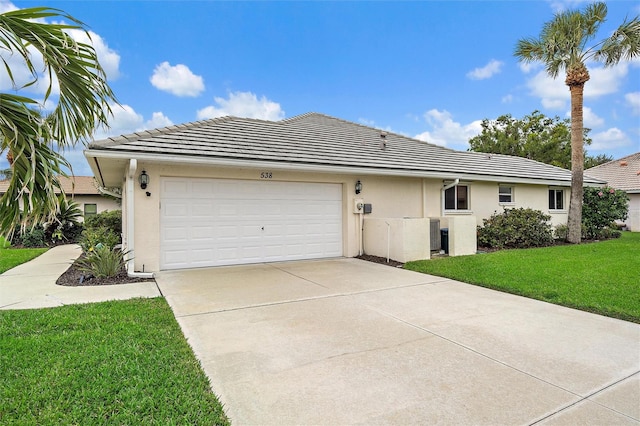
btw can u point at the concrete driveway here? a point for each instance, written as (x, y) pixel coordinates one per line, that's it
(344, 341)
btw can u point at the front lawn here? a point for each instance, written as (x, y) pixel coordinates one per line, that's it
(122, 362)
(10, 258)
(602, 277)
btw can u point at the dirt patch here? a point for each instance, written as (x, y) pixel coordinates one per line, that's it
(74, 277)
(381, 260)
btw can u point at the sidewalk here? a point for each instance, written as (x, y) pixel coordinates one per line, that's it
(32, 285)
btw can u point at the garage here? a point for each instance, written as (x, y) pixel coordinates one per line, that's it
(215, 222)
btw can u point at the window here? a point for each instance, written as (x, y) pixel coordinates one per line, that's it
(505, 194)
(457, 198)
(556, 199)
(90, 209)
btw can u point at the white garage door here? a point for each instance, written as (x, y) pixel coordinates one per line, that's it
(212, 222)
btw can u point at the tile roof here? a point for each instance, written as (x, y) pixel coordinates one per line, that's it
(319, 140)
(623, 173)
(84, 185)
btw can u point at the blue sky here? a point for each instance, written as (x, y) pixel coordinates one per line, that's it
(431, 70)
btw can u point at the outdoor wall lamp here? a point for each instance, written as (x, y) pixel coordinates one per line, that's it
(358, 187)
(143, 179)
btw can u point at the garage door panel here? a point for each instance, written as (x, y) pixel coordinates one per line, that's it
(210, 222)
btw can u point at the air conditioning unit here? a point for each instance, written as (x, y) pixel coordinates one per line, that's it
(434, 230)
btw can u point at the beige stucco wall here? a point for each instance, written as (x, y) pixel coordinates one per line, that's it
(399, 239)
(390, 197)
(633, 221)
(102, 203)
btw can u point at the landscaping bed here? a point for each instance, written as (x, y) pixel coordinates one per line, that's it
(75, 276)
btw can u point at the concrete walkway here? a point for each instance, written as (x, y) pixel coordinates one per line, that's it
(345, 341)
(33, 284)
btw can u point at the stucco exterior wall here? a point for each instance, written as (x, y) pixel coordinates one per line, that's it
(390, 197)
(102, 203)
(633, 221)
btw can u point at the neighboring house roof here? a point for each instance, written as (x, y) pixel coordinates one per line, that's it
(75, 185)
(623, 173)
(313, 142)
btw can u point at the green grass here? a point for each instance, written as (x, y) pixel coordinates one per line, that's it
(10, 258)
(602, 277)
(4, 243)
(122, 362)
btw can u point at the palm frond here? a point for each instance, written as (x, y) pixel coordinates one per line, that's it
(623, 44)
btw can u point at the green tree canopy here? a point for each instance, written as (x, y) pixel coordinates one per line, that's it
(28, 133)
(565, 45)
(535, 136)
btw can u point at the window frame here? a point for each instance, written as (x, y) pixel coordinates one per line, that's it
(87, 214)
(511, 194)
(456, 199)
(555, 192)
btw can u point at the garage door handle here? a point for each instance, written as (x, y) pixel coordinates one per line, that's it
(263, 228)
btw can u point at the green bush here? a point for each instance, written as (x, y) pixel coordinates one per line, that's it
(516, 228)
(33, 237)
(67, 226)
(109, 219)
(95, 237)
(601, 207)
(102, 262)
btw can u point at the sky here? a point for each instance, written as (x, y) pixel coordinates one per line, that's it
(432, 70)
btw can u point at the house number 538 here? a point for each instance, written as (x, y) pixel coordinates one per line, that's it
(266, 175)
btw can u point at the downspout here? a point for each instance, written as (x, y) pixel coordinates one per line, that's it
(105, 191)
(130, 186)
(444, 188)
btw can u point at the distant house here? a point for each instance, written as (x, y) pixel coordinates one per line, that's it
(623, 174)
(82, 190)
(236, 190)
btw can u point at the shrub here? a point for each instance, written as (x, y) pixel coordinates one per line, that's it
(33, 237)
(94, 237)
(110, 219)
(600, 209)
(102, 262)
(516, 228)
(67, 226)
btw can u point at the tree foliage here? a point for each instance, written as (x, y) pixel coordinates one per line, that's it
(28, 132)
(564, 45)
(601, 208)
(535, 136)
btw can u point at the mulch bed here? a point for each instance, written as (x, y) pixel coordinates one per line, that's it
(382, 260)
(75, 277)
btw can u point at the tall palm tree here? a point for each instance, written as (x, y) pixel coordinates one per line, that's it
(562, 46)
(27, 134)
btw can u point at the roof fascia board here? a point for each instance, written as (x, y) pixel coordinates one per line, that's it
(97, 154)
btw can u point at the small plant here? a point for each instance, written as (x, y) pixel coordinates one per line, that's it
(102, 262)
(600, 209)
(33, 237)
(67, 226)
(516, 228)
(108, 219)
(92, 237)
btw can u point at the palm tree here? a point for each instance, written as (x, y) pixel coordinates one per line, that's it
(27, 134)
(562, 45)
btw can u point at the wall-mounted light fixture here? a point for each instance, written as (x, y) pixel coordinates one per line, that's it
(358, 187)
(143, 179)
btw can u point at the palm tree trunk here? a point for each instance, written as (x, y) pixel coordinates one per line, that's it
(574, 222)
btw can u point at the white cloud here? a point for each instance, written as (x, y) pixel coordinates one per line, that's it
(609, 139)
(507, 99)
(447, 132)
(177, 80)
(554, 93)
(492, 68)
(633, 100)
(562, 5)
(126, 120)
(243, 104)
(108, 58)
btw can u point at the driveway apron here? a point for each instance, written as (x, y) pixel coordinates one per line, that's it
(344, 341)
